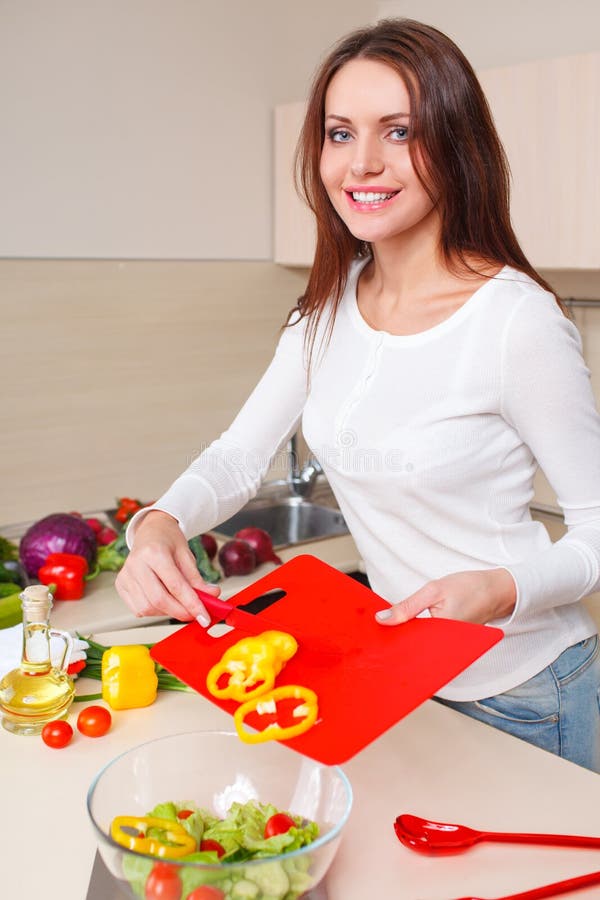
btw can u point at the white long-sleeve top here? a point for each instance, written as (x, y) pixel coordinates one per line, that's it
(430, 442)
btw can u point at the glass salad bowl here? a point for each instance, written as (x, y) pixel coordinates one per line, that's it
(218, 777)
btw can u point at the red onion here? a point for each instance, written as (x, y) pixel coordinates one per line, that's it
(57, 533)
(209, 544)
(237, 558)
(261, 543)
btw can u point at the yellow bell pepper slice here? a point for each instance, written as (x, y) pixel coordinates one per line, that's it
(285, 644)
(308, 708)
(236, 689)
(252, 665)
(180, 842)
(129, 678)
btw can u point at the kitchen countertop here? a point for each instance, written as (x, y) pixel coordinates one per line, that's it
(436, 763)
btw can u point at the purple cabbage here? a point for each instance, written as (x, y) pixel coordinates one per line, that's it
(58, 533)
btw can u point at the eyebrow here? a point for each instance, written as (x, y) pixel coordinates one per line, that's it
(398, 115)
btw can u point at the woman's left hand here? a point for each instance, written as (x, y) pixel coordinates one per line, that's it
(468, 596)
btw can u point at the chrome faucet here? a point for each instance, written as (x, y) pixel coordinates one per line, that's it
(301, 480)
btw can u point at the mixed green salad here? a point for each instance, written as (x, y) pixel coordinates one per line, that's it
(250, 832)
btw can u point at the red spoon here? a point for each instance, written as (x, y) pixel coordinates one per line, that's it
(426, 836)
(550, 890)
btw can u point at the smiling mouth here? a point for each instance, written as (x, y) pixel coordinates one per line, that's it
(370, 201)
(371, 196)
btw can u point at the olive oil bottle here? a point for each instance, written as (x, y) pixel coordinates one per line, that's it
(37, 691)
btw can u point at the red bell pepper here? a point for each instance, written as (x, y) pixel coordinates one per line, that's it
(67, 571)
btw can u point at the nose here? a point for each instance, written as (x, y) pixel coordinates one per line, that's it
(367, 158)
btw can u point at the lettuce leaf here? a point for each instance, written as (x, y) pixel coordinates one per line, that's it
(245, 826)
(241, 834)
(165, 811)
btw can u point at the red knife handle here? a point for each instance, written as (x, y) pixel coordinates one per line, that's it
(218, 609)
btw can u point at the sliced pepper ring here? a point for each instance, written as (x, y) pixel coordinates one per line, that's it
(237, 690)
(252, 665)
(180, 842)
(275, 732)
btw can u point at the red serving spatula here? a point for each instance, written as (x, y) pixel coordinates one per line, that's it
(549, 890)
(436, 838)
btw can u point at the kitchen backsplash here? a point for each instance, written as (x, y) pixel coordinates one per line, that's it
(116, 374)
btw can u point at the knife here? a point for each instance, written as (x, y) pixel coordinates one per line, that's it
(248, 616)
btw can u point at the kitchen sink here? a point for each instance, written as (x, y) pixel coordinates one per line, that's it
(289, 520)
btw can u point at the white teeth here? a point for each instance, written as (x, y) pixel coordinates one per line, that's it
(370, 196)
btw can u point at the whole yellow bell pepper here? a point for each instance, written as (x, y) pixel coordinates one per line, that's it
(129, 677)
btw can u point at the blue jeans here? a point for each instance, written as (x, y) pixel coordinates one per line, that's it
(557, 710)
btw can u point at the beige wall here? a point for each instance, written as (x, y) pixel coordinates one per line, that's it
(500, 34)
(115, 375)
(143, 128)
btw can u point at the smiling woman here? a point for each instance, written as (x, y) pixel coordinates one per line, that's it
(446, 361)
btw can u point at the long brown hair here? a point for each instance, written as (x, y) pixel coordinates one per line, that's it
(461, 160)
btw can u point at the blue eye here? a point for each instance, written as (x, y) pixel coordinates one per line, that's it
(401, 131)
(339, 136)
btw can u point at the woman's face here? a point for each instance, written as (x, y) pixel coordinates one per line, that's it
(366, 167)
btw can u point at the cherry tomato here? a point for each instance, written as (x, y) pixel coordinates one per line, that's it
(185, 813)
(129, 503)
(94, 721)
(163, 883)
(278, 824)
(215, 846)
(57, 734)
(206, 892)
(122, 515)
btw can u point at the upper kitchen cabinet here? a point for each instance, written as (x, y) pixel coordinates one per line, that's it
(294, 227)
(548, 116)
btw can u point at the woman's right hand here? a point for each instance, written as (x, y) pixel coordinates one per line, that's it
(160, 572)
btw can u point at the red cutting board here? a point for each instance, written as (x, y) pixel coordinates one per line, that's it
(367, 676)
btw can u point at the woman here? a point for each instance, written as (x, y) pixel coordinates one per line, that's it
(431, 367)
